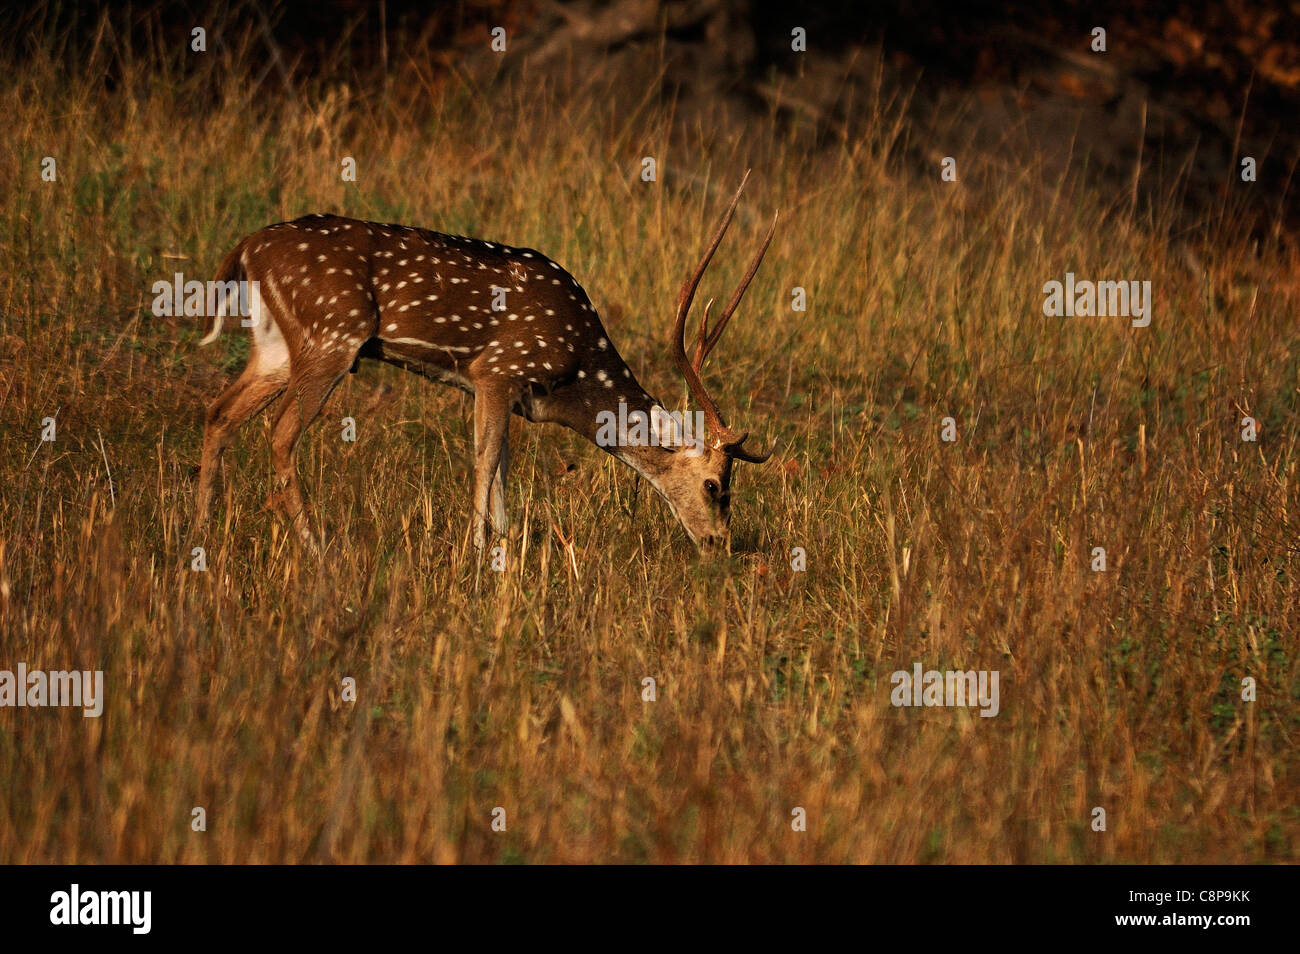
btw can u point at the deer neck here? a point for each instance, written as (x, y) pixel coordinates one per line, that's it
(630, 425)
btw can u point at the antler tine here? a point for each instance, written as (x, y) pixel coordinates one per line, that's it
(701, 339)
(737, 451)
(678, 345)
(688, 289)
(708, 340)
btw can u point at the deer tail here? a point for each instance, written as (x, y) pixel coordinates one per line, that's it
(230, 269)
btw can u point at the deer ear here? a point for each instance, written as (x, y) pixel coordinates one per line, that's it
(668, 432)
(663, 428)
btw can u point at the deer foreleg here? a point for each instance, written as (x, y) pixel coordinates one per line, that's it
(491, 456)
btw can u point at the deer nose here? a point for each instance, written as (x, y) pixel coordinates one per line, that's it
(713, 543)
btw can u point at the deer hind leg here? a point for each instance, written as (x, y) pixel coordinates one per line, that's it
(261, 382)
(491, 456)
(310, 385)
(251, 393)
(498, 492)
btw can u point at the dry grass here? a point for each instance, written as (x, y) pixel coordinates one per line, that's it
(523, 690)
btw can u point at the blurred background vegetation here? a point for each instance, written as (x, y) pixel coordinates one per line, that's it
(1120, 690)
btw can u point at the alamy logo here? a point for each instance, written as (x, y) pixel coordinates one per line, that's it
(947, 688)
(659, 428)
(1084, 298)
(37, 688)
(103, 907)
(179, 298)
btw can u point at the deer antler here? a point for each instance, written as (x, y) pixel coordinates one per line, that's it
(707, 338)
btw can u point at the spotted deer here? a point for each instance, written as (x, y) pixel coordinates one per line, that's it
(507, 325)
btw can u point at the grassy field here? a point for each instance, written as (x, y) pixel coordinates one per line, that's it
(523, 690)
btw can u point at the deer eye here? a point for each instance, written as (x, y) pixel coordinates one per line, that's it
(711, 488)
